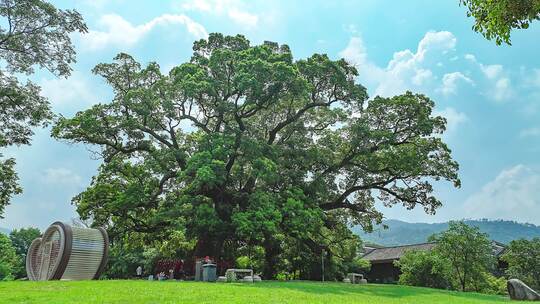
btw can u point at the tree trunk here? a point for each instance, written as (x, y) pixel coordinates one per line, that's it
(271, 253)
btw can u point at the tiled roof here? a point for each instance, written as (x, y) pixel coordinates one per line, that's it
(385, 254)
(394, 253)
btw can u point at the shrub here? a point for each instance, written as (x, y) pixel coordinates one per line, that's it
(494, 285)
(523, 261)
(424, 268)
(8, 258)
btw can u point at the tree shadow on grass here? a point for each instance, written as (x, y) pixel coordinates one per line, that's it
(376, 290)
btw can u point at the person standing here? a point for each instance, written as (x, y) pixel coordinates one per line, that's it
(139, 271)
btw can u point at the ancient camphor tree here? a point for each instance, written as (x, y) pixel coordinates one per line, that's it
(243, 143)
(32, 33)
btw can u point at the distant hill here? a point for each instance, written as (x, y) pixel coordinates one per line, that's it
(4, 230)
(402, 233)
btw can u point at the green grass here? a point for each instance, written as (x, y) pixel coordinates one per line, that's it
(191, 292)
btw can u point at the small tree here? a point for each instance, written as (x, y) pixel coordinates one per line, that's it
(424, 268)
(21, 240)
(8, 258)
(523, 258)
(468, 252)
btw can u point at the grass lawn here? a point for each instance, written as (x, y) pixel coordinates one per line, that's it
(191, 292)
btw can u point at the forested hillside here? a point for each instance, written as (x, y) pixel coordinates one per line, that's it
(401, 233)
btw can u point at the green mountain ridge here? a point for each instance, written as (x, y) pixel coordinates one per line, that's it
(4, 230)
(403, 233)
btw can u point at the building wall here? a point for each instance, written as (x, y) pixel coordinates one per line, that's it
(383, 273)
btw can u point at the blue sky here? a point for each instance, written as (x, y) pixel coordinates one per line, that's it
(489, 94)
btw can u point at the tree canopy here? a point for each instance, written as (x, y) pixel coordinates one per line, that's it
(32, 33)
(468, 252)
(245, 144)
(495, 19)
(522, 258)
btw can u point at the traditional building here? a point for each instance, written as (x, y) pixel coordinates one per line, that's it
(382, 260)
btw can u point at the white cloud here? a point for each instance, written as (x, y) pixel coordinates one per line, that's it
(453, 118)
(61, 176)
(407, 70)
(502, 90)
(450, 82)
(243, 18)
(492, 71)
(120, 32)
(73, 91)
(500, 86)
(230, 8)
(470, 57)
(513, 194)
(530, 132)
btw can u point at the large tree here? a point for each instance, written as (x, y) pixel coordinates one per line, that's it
(244, 143)
(468, 253)
(495, 19)
(32, 33)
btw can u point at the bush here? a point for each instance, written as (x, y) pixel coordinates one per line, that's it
(523, 261)
(494, 285)
(424, 268)
(8, 258)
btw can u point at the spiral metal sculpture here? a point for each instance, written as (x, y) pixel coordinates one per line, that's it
(64, 252)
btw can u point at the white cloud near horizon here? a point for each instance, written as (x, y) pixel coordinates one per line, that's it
(513, 194)
(62, 177)
(119, 32)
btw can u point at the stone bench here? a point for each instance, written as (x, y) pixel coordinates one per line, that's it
(356, 278)
(231, 274)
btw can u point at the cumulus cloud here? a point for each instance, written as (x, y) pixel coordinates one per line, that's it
(230, 8)
(498, 81)
(513, 194)
(450, 82)
(407, 70)
(119, 32)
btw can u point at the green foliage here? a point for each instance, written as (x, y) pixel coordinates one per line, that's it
(523, 261)
(424, 268)
(281, 154)
(32, 32)
(8, 258)
(493, 285)
(360, 265)
(495, 19)
(468, 253)
(21, 240)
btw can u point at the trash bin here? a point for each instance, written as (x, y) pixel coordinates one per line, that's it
(198, 271)
(209, 273)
